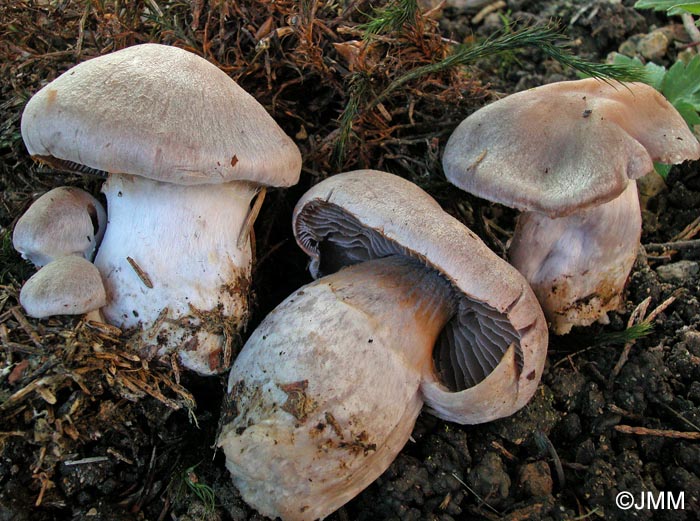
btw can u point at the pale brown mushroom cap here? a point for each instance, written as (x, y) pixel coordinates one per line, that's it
(159, 112)
(63, 221)
(66, 286)
(567, 145)
(373, 214)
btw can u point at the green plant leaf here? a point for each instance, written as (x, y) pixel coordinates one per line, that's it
(656, 5)
(692, 8)
(681, 84)
(653, 73)
(688, 111)
(662, 169)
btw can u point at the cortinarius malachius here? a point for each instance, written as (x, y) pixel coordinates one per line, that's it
(412, 307)
(567, 155)
(186, 150)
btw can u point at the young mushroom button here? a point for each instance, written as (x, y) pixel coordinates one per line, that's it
(411, 308)
(69, 285)
(186, 150)
(63, 221)
(567, 155)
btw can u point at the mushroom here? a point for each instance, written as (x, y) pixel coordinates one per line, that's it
(63, 221)
(69, 285)
(567, 155)
(327, 389)
(185, 150)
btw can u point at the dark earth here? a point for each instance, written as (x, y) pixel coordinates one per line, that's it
(79, 443)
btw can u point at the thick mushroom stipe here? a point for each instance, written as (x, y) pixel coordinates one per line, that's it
(187, 287)
(325, 393)
(578, 265)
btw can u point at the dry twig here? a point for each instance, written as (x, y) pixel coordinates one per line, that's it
(644, 431)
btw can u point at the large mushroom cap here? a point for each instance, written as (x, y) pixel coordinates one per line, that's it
(490, 356)
(63, 221)
(162, 113)
(564, 146)
(66, 286)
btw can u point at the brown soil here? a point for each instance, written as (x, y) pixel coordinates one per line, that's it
(88, 431)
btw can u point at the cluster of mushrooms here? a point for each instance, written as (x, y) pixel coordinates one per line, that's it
(408, 307)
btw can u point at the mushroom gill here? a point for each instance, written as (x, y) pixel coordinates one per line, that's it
(474, 340)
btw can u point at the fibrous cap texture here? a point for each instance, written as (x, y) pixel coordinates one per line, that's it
(159, 112)
(561, 147)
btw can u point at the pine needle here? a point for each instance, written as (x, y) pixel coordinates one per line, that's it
(545, 38)
(359, 86)
(391, 18)
(548, 39)
(630, 334)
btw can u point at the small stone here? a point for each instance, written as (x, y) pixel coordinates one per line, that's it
(653, 46)
(650, 186)
(694, 392)
(686, 55)
(490, 479)
(628, 48)
(678, 271)
(535, 479)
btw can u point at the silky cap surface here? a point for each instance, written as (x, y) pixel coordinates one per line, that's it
(66, 286)
(159, 112)
(63, 221)
(564, 146)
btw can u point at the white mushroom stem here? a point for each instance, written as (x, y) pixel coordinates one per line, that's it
(169, 257)
(326, 391)
(578, 265)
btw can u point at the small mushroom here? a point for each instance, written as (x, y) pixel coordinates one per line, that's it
(69, 285)
(186, 150)
(63, 221)
(567, 155)
(411, 307)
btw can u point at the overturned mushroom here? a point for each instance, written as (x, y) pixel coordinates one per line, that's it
(567, 154)
(186, 150)
(69, 285)
(414, 309)
(63, 221)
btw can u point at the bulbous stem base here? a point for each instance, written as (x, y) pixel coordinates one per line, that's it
(172, 269)
(578, 265)
(326, 391)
